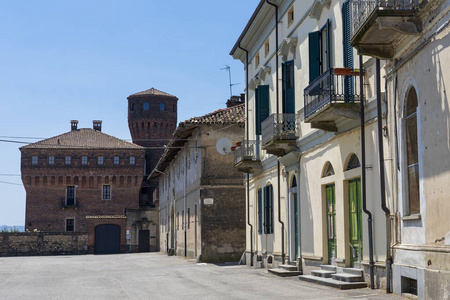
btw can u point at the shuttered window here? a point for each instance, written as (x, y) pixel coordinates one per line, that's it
(347, 48)
(260, 211)
(268, 209)
(319, 51)
(262, 106)
(288, 87)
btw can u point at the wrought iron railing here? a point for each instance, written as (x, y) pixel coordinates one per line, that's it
(279, 127)
(335, 86)
(363, 9)
(247, 151)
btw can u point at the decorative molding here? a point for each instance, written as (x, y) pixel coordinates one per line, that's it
(288, 45)
(317, 7)
(254, 82)
(263, 71)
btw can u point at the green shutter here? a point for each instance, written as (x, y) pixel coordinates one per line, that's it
(263, 100)
(257, 113)
(314, 55)
(288, 87)
(328, 48)
(270, 188)
(260, 212)
(348, 50)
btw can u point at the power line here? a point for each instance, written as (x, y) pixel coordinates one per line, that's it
(10, 175)
(5, 182)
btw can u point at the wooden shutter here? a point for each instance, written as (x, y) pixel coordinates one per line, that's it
(268, 209)
(288, 87)
(314, 55)
(348, 50)
(257, 113)
(263, 106)
(260, 211)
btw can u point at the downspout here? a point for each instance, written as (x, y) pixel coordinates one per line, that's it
(184, 218)
(363, 174)
(382, 181)
(278, 111)
(300, 256)
(247, 135)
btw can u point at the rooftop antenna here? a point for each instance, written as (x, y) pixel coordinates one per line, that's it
(227, 67)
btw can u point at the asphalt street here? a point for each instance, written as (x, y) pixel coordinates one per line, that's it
(153, 276)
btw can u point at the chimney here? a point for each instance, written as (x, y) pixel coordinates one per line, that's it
(235, 100)
(74, 125)
(97, 125)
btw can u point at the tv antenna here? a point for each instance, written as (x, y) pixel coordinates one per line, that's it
(227, 67)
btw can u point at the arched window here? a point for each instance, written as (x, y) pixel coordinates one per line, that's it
(327, 170)
(353, 162)
(294, 182)
(412, 156)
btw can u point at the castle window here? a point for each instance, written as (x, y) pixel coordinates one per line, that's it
(67, 160)
(51, 160)
(132, 160)
(162, 107)
(70, 195)
(34, 160)
(116, 160)
(106, 193)
(100, 160)
(146, 106)
(84, 160)
(70, 225)
(132, 107)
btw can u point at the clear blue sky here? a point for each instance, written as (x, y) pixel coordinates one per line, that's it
(64, 60)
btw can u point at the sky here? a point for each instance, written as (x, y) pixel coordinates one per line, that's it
(80, 60)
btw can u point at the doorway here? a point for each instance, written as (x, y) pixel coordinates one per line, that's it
(144, 241)
(331, 222)
(107, 239)
(355, 216)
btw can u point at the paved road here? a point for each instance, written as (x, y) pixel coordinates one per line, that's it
(152, 276)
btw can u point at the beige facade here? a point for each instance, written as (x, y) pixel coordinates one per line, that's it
(314, 152)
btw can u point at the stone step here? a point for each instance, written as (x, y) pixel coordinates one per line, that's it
(288, 267)
(323, 273)
(284, 273)
(347, 277)
(332, 282)
(328, 267)
(354, 271)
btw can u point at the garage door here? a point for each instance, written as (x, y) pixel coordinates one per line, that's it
(107, 239)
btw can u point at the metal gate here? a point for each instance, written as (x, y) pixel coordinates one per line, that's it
(107, 239)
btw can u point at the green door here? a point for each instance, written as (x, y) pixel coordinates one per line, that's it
(296, 225)
(355, 215)
(331, 222)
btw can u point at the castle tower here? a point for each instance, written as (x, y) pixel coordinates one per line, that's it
(152, 119)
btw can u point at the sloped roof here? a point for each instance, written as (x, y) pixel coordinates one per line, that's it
(227, 116)
(152, 91)
(83, 138)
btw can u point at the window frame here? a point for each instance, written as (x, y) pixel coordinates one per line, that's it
(116, 160)
(84, 160)
(68, 160)
(51, 160)
(67, 224)
(146, 106)
(100, 160)
(316, 53)
(106, 191)
(268, 209)
(34, 160)
(72, 190)
(132, 160)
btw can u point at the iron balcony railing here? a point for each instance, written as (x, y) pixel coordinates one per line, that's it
(335, 86)
(363, 9)
(247, 151)
(279, 127)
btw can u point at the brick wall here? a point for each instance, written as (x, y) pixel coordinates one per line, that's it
(42, 243)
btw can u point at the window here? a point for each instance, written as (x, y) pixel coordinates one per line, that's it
(146, 106)
(84, 160)
(268, 209)
(70, 225)
(288, 92)
(256, 60)
(70, 195)
(262, 106)
(266, 48)
(412, 153)
(106, 193)
(290, 16)
(67, 160)
(132, 107)
(51, 160)
(328, 170)
(162, 107)
(353, 162)
(34, 160)
(116, 160)
(132, 160)
(347, 48)
(100, 160)
(319, 51)
(260, 212)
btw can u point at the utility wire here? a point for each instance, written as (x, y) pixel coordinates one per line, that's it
(5, 182)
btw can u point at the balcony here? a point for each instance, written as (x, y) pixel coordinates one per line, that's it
(279, 134)
(377, 25)
(247, 157)
(331, 98)
(69, 202)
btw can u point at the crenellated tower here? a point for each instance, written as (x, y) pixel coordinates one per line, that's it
(152, 119)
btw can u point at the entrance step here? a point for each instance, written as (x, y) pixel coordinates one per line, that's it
(347, 277)
(322, 273)
(328, 268)
(285, 271)
(342, 285)
(354, 271)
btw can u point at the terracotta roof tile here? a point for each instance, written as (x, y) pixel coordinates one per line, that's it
(232, 115)
(85, 138)
(152, 91)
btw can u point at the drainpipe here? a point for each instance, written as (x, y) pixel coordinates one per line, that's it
(382, 182)
(247, 135)
(363, 174)
(288, 214)
(278, 110)
(300, 256)
(184, 218)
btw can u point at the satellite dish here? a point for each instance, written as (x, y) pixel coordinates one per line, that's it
(224, 145)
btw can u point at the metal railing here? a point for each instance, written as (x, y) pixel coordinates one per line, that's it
(247, 151)
(279, 127)
(363, 9)
(69, 202)
(335, 86)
